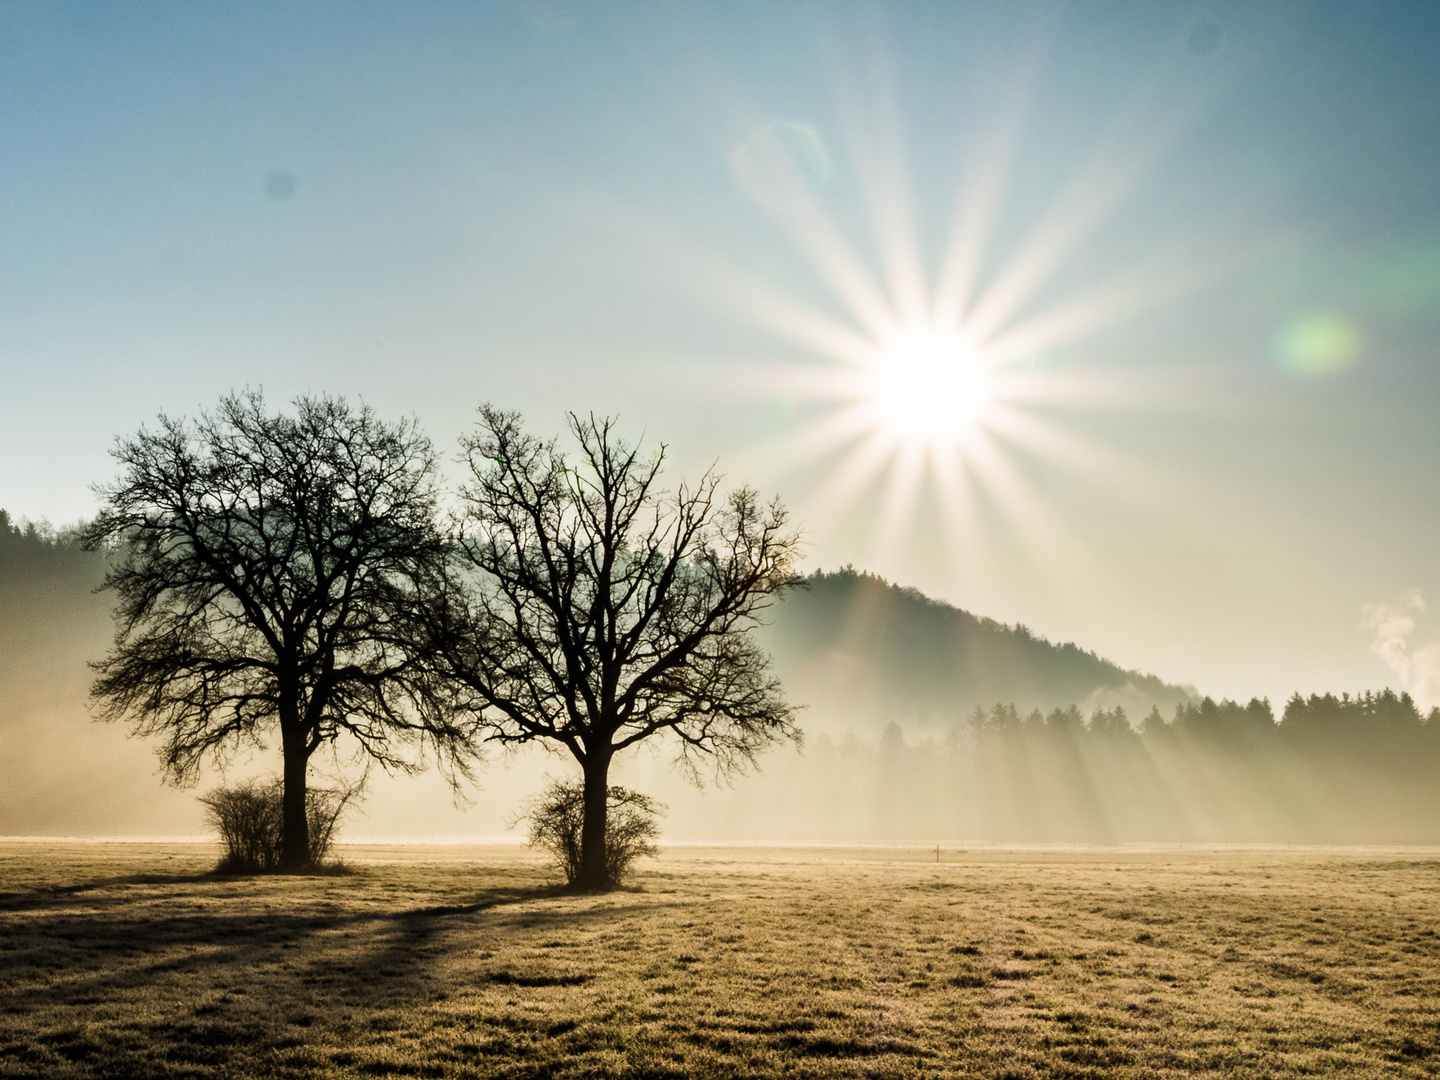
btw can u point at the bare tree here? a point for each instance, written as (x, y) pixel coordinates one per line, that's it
(595, 610)
(262, 564)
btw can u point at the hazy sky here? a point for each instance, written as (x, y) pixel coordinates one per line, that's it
(1192, 252)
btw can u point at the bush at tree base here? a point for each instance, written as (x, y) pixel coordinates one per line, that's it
(250, 820)
(558, 812)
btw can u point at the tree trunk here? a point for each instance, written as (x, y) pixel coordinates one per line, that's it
(594, 874)
(295, 831)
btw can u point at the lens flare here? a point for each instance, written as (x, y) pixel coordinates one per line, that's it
(1319, 345)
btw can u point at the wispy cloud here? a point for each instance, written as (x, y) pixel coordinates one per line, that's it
(1418, 667)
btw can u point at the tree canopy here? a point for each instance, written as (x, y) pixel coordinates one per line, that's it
(262, 563)
(592, 609)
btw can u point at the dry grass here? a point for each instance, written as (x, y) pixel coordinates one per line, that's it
(132, 960)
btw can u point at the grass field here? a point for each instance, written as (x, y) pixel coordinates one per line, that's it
(129, 959)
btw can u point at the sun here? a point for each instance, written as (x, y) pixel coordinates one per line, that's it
(937, 374)
(928, 386)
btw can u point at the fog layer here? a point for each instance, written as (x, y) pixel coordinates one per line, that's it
(924, 723)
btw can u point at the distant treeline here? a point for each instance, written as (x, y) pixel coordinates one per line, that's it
(50, 615)
(1374, 722)
(34, 554)
(1342, 769)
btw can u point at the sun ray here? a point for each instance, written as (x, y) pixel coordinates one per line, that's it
(796, 210)
(960, 517)
(1124, 296)
(980, 196)
(822, 436)
(953, 396)
(795, 452)
(873, 135)
(803, 325)
(1090, 199)
(806, 381)
(1131, 148)
(1063, 447)
(851, 476)
(1074, 388)
(1051, 545)
(687, 269)
(897, 505)
(799, 323)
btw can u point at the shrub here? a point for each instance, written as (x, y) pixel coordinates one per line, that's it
(249, 818)
(558, 812)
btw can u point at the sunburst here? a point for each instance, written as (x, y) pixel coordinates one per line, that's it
(937, 384)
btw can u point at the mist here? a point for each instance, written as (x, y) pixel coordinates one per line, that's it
(924, 724)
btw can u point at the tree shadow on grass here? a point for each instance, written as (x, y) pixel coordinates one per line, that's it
(423, 937)
(41, 896)
(492, 899)
(205, 973)
(167, 928)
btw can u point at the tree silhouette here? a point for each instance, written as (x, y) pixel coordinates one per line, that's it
(262, 562)
(594, 610)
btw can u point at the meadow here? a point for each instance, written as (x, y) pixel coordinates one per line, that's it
(434, 961)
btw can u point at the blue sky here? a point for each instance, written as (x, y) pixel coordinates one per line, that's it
(1223, 471)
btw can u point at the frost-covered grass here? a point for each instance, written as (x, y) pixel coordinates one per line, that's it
(431, 961)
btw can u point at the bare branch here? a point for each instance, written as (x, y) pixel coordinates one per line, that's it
(265, 567)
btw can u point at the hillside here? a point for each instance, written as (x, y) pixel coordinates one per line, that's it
(861, 652)
(858, 651)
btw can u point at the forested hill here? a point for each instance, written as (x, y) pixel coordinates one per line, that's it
(861, 652)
